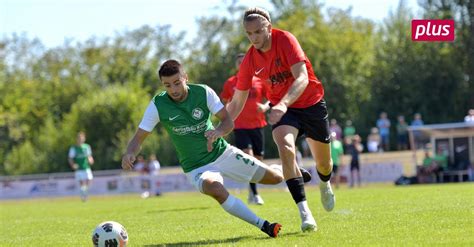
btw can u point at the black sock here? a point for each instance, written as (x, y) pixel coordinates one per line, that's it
(296, 187)
(265, 226)
(253, 188)
(324, 178)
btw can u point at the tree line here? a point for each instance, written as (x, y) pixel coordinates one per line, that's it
(103, 85)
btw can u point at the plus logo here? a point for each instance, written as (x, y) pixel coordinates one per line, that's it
(432, 30)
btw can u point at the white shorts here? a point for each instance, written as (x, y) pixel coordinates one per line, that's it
(233, 163)
(82, 175)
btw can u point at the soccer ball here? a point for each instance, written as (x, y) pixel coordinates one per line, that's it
(109, 234)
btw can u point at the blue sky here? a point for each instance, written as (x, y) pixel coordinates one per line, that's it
(52, 21)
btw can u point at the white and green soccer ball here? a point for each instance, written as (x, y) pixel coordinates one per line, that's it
(110, 234)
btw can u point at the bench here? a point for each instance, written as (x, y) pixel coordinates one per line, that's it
(459, 173)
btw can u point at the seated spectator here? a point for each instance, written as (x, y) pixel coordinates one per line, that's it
(373, 140)
(431, 166)
(469, 118)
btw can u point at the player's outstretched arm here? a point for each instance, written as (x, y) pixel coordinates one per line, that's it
(133, 148)
(237, 103)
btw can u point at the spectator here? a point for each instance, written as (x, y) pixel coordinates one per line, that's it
(153, 165)
(140, 165)
(383, 124)
(334, 127)
(355, 149)
(305, 148)
(402, 133)
(431, 166)
(349, 130)
(337, 151)
(373, 140)
(153, 168)
(417, 121)
(469, 118)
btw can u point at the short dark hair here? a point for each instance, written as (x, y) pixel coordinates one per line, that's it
(240, 55)
(256, 13)
(169, 68)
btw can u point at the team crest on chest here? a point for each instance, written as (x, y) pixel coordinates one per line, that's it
(197, 113)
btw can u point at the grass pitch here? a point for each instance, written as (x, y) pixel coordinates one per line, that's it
(375, 215)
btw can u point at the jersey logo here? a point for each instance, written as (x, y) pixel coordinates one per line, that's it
(258, 71)
(173, 118)
(278, 62)
(198, 113)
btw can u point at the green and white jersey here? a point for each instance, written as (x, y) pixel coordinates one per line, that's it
(186, 123)
(80, 155)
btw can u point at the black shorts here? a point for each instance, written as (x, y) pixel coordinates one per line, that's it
(311, 121)
(334, 169)
(354, 164)
(250, 138)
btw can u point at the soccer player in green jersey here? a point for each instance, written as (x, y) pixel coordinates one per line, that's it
(80, 159)
(185, 112)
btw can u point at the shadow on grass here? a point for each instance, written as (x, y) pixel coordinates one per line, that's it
(176, 210)
(220, 241)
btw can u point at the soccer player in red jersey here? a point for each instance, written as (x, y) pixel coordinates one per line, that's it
(248, 127)
(296, 100)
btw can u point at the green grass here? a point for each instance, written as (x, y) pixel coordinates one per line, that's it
(369, 216)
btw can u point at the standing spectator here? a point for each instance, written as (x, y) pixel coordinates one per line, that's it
(469, 118)
(383, 124)
(80, 159)
(153, 171)
(334, 127)
(373, 140)
(417, 121)
(140, 165)
(402, 133)
(248, 127)
(355, 149)
(154, 165)
(349, 129)
(337, 151)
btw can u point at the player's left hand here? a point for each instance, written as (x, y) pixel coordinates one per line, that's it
(211, 136)
(276, 113)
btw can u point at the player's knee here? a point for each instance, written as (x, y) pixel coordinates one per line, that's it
(277, 178)
(214, 189)
(286, 149)
(324, 163)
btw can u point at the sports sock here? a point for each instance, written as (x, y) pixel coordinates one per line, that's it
(296, 187)
(304, 209)
(237, 208)
(324, 178)
(253, 188)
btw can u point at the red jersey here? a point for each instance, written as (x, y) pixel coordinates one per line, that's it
(274, 68)
(250, 117)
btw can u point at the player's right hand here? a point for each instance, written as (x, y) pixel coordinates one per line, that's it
(127, 161)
